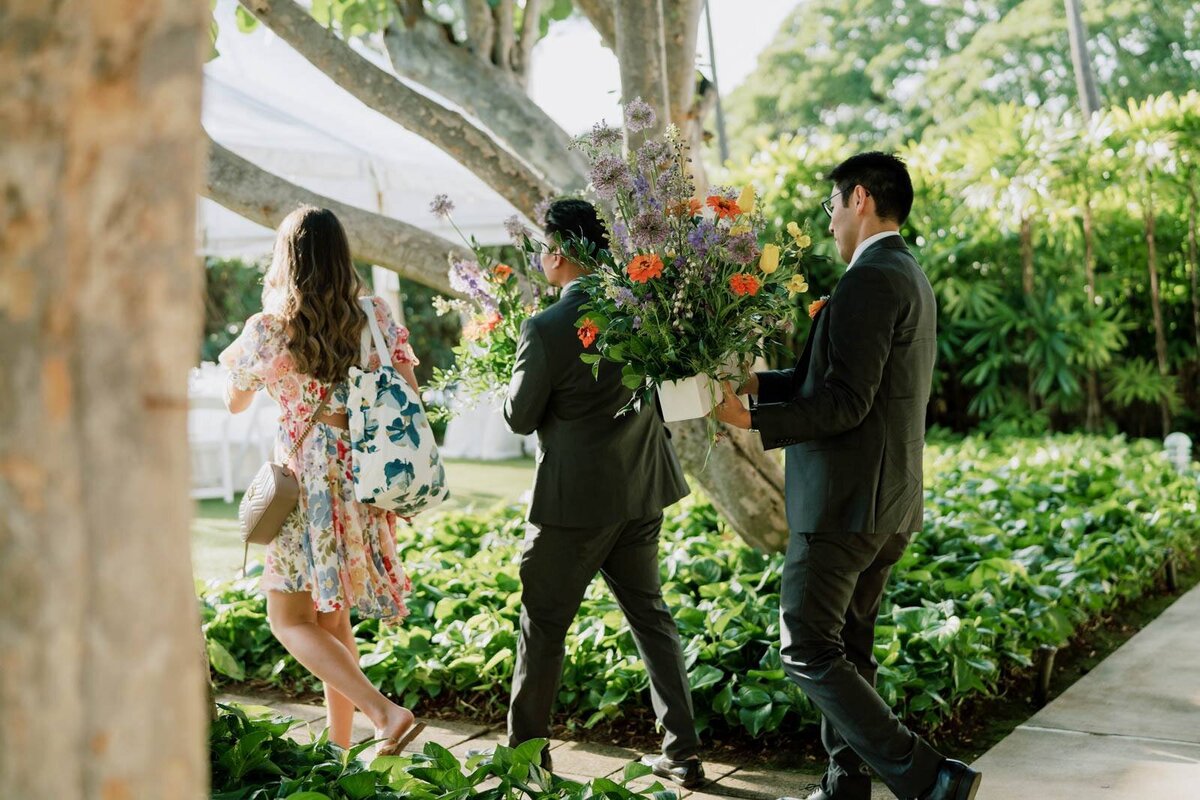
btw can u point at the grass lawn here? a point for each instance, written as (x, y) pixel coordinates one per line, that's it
(474, 485)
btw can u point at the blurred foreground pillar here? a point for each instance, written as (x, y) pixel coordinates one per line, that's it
(102, 684)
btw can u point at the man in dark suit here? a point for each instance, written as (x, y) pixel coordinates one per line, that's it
(601, 484)
(851, 414)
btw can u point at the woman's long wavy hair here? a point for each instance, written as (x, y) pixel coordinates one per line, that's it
(313, 287)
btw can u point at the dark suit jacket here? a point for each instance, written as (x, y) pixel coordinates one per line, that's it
(851, 413)
(593, 468)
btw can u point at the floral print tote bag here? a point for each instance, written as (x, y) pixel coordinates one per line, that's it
(395, 461)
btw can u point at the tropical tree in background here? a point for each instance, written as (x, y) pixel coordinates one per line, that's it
(882, 72)
(1109, 233)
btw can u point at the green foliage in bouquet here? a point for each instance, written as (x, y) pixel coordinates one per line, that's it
(692, 286)
(1025, 542)
(496, 300)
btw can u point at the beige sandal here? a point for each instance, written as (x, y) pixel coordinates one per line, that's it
(391, 747)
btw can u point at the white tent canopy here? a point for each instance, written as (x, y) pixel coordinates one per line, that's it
(266, 103)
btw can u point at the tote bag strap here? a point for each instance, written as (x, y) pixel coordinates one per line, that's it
(385, 357)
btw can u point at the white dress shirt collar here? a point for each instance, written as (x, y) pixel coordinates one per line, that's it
(865, 243)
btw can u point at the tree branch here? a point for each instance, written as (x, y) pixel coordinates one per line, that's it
(600, 14)
(490, 95)
(504, 172)
(264, 198)
(503, 48)
(531, 32)
(681, 20)
(481, 29)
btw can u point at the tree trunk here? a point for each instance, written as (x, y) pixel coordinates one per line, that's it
(102, 682)
(1085, 79)
(744, 483)
(1160, 338)
(1092, 413)
(641, 53)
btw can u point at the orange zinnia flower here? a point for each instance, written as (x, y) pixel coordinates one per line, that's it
(643, 268)
(685, 208)
(744, 284)
(587, 333)
(815, 306)
(723, 207)
(502, 272)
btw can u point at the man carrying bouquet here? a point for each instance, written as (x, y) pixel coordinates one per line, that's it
(601, 484)
(852, 417)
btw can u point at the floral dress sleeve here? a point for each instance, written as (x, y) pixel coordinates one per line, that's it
(395, 335)
(258, 357)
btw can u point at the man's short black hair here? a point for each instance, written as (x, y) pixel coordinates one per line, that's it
(570, 219)
(884, 176)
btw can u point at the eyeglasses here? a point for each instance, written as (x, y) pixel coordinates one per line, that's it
(828, 204)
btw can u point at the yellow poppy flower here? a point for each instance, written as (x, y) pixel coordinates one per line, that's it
(796, 285)
(738, 230)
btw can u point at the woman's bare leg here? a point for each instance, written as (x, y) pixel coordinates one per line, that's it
(339, 708)
(294, 623)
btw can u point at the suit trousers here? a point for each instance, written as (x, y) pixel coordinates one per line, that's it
(557, 565)
(831, 590)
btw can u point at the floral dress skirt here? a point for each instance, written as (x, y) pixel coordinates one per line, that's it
(332, 547)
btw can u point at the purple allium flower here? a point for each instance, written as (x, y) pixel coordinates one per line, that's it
(639, 115)
(441, 206)
(649, 230)
(653, 153)
(610, 175)
(606, 136)
(703, 238)
(742, 248)
(515, 228)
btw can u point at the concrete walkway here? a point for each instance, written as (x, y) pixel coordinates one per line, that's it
(1129, 730)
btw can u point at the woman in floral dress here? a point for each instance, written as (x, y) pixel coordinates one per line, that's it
(333, 553)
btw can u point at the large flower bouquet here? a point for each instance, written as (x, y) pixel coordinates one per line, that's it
(496, 299)
(694, 287)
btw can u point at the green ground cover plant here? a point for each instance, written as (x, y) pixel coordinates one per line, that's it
(251, 758)
(1025, 541)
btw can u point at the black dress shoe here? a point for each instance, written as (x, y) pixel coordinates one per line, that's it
(688, 773)
(955, 781)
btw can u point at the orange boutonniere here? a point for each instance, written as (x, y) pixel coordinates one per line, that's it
(815, 306)
(587, 333)
(502, 272)
(724, 208)
(643, 268)
(744, 284)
